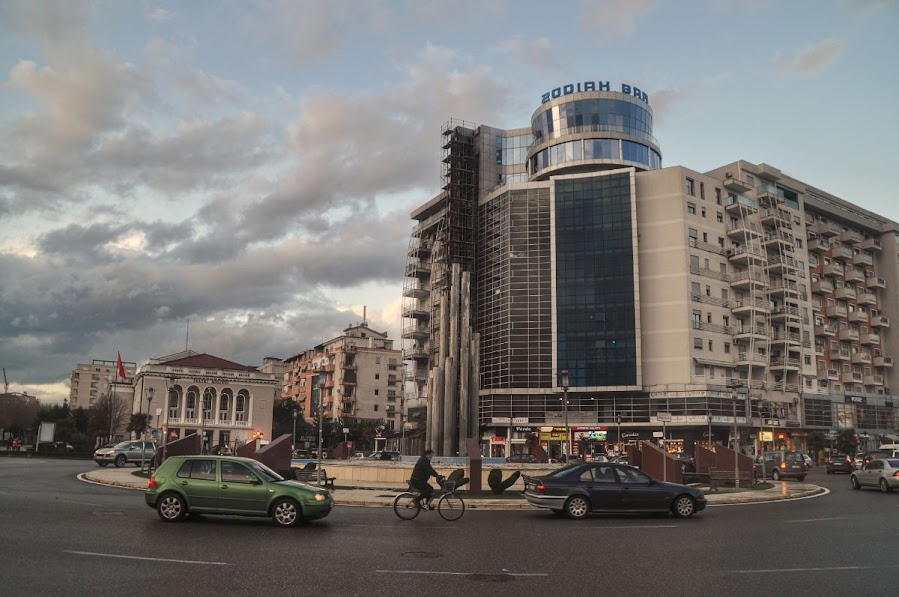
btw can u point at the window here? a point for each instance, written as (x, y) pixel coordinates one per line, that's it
(718, 196)
(697, 343)
(750, 180)
(693, 232)
(376, 408)
(376, 391)
(198, 469)
(691, 208)
(694, 288)
(798, 243)
(703, 212)
(710, 346)
(377, 360)
(720, 217)
(697, 316)
(727, 348)
(702, 190)
(235, 472)
(705, 236)
(377, 376)
(726, 321)
(708, 317)
(690, 187)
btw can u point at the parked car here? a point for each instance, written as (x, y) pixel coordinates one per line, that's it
(839, 463)
(781, 464)
(522, 457)
(232, 485)
(579, 489)
(689, 463)
(134, 452)
(880, 472)
(809, 463)
(64, 447)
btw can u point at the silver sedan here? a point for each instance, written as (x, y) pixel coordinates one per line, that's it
(880, 472)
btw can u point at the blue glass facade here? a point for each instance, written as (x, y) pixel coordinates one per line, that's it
(595, 310)
(590, 149)
(603, 115)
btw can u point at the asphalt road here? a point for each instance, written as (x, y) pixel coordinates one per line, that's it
(61, 536)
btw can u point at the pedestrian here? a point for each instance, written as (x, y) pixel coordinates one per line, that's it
(15, 444)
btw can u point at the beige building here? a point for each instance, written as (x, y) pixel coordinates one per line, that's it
(225, 402)
(90, 381)
(358, 374)
(564, 285)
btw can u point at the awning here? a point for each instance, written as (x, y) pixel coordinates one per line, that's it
(712, 363)
(895, 438)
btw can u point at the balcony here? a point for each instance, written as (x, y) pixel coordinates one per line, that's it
(861, 358)
(779, 287)
(845, 293)
(867, 298)
(745, 360)
(826, 229)
(847, 334)
(742, 229)
(873, 380)
(416, 352)
(743, 254)
(833, 374)
(776, 217)
(837, 311)
(818, 245)
(833, 270)
(747, 279)
(863, 258)
(842, 253)
(416, 292)
(858, 316)
(882, 361)
(822, 286)
(416, 269)
(879, 321)
(412, 313)
(855, 275)
(784, 363)
(779, 237)
(418, 332)
(420, 248)
(747, 307)
(870, 339)
(842, 354)
(782, 264)
(875, 282)
(826, 331)
(751, 333)
(735, 185)
(785, 311)
(871, 244)
(785, 338)
(851, 237)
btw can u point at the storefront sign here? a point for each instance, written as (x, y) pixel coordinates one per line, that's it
(497, 440)
(592, 435)
(520, 420)
(524, 429)
(772, 423)
(658, 434)
(569, 88)
(856, 399)
(766, 436)
(501, 421)
(630, 435)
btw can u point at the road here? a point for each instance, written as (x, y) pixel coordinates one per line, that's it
(62, 536)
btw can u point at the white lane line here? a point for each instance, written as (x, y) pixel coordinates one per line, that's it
(438, 572)
(815, 519)
(113, 555)
(823, 569)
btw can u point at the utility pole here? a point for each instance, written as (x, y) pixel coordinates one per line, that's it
(564, 380)
(321, 423)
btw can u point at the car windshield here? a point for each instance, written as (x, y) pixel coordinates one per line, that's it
(265, 472)
(123, 445)
(835, 458)
(793, 457)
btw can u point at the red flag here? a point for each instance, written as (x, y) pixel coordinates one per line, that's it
(119, 366)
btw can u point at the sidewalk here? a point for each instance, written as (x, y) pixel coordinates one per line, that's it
(382, 494)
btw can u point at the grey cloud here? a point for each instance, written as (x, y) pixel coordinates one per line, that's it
(609, 19)
(76, 240)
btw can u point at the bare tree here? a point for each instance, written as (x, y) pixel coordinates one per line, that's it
(109, 414)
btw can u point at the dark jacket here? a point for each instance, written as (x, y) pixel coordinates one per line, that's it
(423, 471)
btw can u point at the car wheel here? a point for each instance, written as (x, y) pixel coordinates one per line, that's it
(577, 507)
(286, 513)
(800, 478)
(171, 507)
(853, 480)
(884, 486)
(103, 464)
(684, 506)
(120, 461)
(775, 474)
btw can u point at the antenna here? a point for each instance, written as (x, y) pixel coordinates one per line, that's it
(5, 383)
(187, 337)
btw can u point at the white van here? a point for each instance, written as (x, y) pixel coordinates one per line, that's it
(892, 449)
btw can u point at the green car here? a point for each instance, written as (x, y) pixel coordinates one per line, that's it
(232, 485)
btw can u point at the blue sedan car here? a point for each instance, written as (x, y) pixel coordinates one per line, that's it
(582, 488)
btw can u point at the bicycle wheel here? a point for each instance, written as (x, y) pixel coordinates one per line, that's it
(451, 507)
(405, 505)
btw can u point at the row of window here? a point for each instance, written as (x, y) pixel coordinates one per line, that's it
(594, 149)
(631, 118)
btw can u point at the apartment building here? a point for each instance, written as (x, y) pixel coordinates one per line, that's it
(91, 380)
(358, 375)
(738, 305)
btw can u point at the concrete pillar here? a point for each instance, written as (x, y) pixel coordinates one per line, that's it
(437, 443)
(464, 362)
(474, 388)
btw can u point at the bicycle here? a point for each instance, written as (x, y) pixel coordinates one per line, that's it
(450, 505)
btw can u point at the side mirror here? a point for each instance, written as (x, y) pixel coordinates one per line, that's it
(256, 481)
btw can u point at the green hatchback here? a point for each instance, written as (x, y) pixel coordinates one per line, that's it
(232, 485)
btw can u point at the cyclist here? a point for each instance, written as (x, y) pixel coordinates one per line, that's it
(420, 475)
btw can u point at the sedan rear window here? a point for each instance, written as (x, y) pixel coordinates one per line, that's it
(894, 462)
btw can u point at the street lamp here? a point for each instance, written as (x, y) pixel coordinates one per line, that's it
(563, 381)
(620, 445)
(709, 438)
(735, 386)
(293, 443)
(321, 423)
(143, 447)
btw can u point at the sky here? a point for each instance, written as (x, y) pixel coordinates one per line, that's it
(246, 170)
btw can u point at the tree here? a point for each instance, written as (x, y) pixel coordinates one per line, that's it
(108, 414)
(137, 423)
(846, 442)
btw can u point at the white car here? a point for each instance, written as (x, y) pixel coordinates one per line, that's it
(134, 452)
(880, 472)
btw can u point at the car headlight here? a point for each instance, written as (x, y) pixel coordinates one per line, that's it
(320, 497)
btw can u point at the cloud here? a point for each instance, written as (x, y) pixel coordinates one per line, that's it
(159, 15)
(534, 54)
(811, 61)
(866, 8)
(609, 19)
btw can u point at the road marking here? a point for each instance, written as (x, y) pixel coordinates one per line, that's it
(780, 501)
(815, 519)
(824, 569)
(113, 555)
(439, 572)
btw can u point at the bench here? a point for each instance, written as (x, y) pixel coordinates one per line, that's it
(311, 476)
(717, 476)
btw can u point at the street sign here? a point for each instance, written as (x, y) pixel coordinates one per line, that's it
(772, 422)
(346, 429)
(658, 434)
(666, 417)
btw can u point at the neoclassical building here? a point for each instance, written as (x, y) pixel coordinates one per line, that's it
(225, 402)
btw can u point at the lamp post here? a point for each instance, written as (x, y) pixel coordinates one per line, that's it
(620, 445)
(293, 443)
(734, 386)
(563, 381)
(321, 423)
(143, 446)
